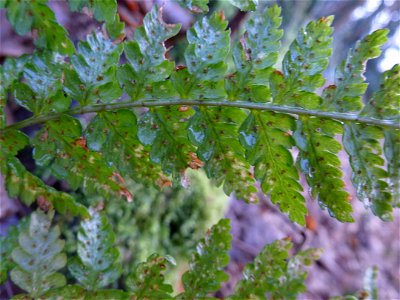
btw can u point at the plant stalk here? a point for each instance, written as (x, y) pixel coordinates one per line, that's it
(236, 104)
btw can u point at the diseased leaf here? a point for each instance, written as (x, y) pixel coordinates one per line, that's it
(346, 94)
(273, 272)
(28, 188)
(165, 130)
(147, 63)
(267, 141)
(385, 104)
(97, 265)
(93, 77)
(205, 272)
(208, 46)
(61, 147)
(254, 56)
(362, 145)
(318, 160)
(39, 256)
(114, 134)
(147, 279)
(302, 66)
(214, 131)
(42, 91)
(361, 142)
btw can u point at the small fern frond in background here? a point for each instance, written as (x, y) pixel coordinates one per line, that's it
(39, 256)
(97, 263)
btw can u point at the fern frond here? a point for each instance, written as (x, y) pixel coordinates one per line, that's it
(205, 272)
(274, 274)
(26, 15)
(39, 256)
(97, 265)
(92, 78)
(147, 280)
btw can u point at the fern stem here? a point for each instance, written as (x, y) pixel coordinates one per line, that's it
(238, 104)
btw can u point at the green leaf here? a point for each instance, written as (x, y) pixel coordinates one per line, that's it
(267, 140)
(346, 94)
(61, 147)
(165, 130)
(318, 160)
(254, 56)
(362, 143)
(214, 132)
(273, 272)
(302, 66)
(26, 15)
(42, 91)
(147, 279)
(392, 154)
(208, 47)
(195, 6)
(93, 77)
(385, 104)
(103, 10)
(205, 272)
(146, 56)
(39, 256)
(244, 5)
(116, 29)
(10, 71)
(114, 134)
(11, 143)
(98, 263)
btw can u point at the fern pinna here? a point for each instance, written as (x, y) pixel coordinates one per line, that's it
(231, 110)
